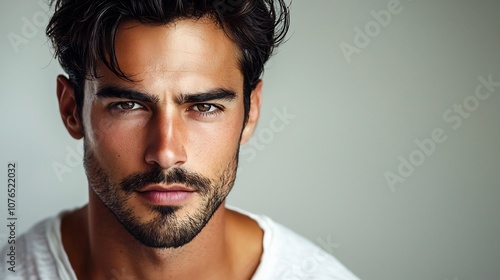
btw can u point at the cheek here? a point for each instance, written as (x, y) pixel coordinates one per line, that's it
(213, 147)
(116, 144)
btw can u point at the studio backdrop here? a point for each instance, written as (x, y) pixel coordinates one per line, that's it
(378, 139)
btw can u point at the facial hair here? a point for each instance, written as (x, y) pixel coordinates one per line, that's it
(167, 229)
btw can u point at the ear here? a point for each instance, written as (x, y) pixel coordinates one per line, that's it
(68, 108)
(253, 114)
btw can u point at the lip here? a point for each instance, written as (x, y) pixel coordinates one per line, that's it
(160, 188)
(161, 195)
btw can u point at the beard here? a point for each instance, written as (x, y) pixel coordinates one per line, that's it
(167, 229)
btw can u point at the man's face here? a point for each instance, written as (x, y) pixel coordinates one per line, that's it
(161, 152)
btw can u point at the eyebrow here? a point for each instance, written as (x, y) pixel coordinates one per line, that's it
(214, 94)
(124, 93)
(118, 92)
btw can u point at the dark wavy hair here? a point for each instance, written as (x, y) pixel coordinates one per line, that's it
(83, 32)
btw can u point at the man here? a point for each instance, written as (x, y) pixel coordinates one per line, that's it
(163, 94)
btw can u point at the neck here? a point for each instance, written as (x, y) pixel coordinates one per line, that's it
(112, 252)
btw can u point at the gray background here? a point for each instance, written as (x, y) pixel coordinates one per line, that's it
(322, 172)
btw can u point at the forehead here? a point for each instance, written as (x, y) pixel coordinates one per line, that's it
(185, 55)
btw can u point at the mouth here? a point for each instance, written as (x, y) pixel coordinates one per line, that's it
(161, 195)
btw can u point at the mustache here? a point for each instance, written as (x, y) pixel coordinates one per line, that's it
(138, 181)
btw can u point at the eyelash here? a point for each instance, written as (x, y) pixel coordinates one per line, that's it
(218, 109)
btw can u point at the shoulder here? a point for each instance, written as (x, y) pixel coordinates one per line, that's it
(35, 254)
(287, 255)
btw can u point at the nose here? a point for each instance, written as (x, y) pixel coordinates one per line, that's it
(165, 142)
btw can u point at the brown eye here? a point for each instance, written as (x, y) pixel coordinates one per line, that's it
(203, 107)
(206, 110)
(128, 106)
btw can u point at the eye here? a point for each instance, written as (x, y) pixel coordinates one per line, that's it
(205, 108)
(127, 106)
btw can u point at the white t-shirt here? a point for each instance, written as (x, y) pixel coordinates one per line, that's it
(286, 255)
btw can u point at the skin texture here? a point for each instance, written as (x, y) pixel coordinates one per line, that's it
(125, 136)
